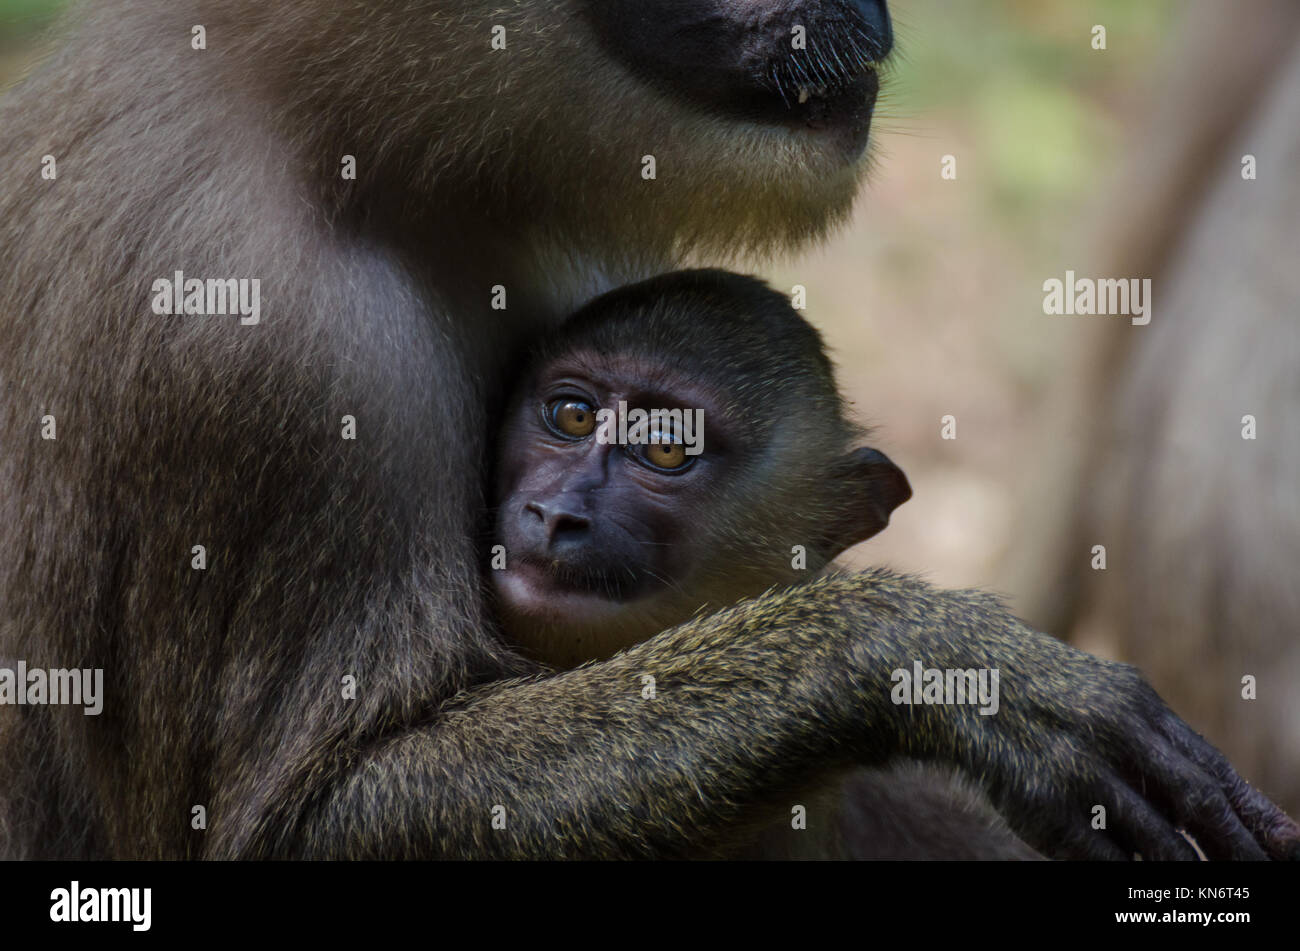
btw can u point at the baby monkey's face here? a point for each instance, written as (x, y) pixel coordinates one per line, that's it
(632, 492)
(603, 486)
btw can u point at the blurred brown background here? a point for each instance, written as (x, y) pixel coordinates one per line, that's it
(932, 301)
(1082, 431)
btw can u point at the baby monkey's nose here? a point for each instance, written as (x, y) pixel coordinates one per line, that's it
(565, 527)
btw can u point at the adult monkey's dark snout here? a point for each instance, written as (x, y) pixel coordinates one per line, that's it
(875, 15)
(801, 63)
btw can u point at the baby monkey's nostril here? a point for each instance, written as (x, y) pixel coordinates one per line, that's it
(568, 530)
(563, 527)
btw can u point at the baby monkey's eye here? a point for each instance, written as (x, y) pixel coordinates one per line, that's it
(571, 417)
(668, 454)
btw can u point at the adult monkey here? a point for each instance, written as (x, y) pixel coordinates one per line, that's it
(520, 168)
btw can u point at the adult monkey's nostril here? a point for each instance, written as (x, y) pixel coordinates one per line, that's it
(875, 17)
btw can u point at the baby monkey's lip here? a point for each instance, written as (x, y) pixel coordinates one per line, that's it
(567, 577)
(528, 588)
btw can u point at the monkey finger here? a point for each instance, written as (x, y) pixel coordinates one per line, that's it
(1184, 776)
(1277, 832)
(1270, 828)
(1142, 829)
(1273, 830)
(1204, 811)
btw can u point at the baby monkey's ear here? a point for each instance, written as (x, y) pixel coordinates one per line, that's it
(867, 487)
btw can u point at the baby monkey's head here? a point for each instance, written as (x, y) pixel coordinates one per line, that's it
(679, 444)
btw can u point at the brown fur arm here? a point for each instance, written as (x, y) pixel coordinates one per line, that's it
(775, 692)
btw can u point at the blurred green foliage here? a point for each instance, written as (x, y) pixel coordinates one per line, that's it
(1020, 82)
(18, 17)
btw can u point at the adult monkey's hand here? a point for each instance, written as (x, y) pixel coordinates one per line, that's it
(1071, 732)
(1150, 770)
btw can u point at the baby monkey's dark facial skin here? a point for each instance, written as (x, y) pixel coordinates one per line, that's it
(594, 527)
(750, 479)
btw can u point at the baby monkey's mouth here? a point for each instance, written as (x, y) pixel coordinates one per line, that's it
(568, 576)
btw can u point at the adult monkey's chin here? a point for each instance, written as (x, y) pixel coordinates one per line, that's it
(756, 112)
(805, 65)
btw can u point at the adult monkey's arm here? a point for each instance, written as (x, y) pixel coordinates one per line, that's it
(769, 694)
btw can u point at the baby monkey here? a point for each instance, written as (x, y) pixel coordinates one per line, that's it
(677, 446)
